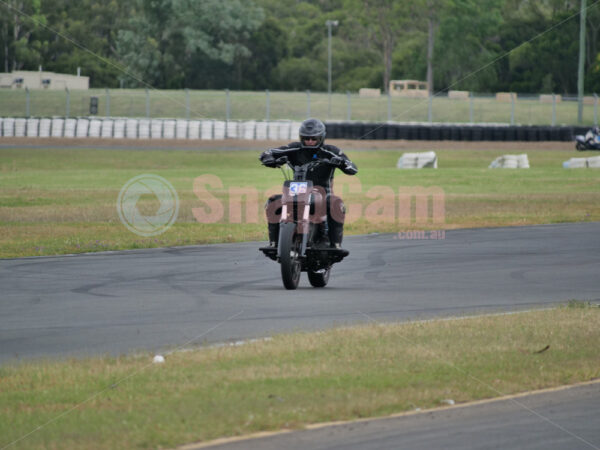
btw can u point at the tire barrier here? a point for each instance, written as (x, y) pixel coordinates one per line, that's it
(418, 161)
(282, 130)
(510, 162)
(582, 163)
(451, 132)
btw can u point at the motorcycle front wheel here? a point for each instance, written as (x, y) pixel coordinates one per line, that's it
(289, 246)
(579, 146)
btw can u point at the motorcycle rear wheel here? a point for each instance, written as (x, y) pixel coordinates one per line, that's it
(319, 278)
(289, 246)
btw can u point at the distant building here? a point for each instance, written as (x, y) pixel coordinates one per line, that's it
(409, 88)
(22, 79)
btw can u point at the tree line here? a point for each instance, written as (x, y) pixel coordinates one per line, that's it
(527, 46)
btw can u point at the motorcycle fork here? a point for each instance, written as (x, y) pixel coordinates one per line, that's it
(298, 213)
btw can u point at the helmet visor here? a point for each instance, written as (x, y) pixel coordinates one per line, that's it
(310, 141)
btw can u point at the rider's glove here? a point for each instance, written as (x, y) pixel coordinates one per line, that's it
(337, 161)
(267, 159)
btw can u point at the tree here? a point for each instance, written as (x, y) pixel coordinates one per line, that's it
(546, 47)
(282, 44)
(83, 35)
(169, 42)
(384, 21)
(467, 41)
(20, 19)
(267, 47)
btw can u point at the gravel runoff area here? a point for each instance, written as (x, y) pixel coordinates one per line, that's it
(239, 144)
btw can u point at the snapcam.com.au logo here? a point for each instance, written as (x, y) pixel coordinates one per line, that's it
(148, 187)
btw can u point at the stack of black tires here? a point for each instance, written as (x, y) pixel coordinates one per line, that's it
(451, 132)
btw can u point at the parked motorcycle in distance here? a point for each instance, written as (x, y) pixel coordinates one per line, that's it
(589, 140)
(298, 250)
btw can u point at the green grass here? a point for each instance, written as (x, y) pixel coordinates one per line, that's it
(246, 105)
(293, 380)
(64, 201)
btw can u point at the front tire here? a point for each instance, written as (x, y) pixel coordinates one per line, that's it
(320, 278)
(290, 257)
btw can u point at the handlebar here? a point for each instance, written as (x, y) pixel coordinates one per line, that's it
(303, 168)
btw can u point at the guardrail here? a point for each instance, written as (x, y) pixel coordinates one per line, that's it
(132, 128)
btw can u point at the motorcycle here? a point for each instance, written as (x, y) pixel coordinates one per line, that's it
(589, 141)
(299, 249)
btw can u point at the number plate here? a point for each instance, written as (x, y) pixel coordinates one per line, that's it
(297, 187)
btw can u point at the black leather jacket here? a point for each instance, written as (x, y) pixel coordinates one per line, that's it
(322, 175)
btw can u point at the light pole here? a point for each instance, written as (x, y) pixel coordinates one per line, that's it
(580, 72)
(329, 23)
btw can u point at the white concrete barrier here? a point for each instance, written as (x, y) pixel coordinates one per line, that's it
(20, 127)
(70, 128)
(33, 127)
(575, 163)
(295, 131)
(248, 129)
(261, 130)
(219, 129)
(95, 128)
(273, 131)
(156, 128)
(422, 160)
(131, 127)
(284, 131)
(8, 127)
(181, 129)
(144, 129)
(583, 163)
(510, 162)
(232, 131)
(194, 129)
(107, 128)
(45, 127)
(81, 129)
(207, 129)
(523, 161)
(169, 129)
(594, 162)
(119, 128)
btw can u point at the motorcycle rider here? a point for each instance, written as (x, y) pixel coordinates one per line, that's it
(312, 147)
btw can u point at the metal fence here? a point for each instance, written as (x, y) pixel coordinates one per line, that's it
(265, 105)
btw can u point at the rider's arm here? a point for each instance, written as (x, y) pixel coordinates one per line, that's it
(268, 157)
(345, 165)
(349, 168)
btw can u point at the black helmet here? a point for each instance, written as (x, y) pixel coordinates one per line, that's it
(312, 128)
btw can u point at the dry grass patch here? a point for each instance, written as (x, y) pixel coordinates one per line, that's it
(296, 379)
(56, 201)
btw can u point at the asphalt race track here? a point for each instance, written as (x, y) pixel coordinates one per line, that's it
(564, 419)
(161, 299)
